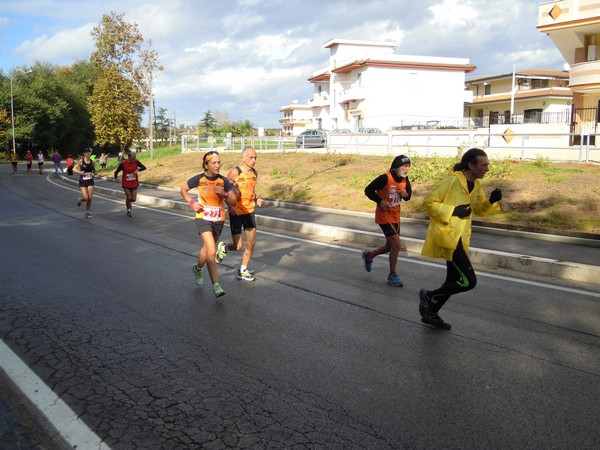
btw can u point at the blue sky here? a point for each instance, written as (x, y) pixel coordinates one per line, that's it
(247, 58)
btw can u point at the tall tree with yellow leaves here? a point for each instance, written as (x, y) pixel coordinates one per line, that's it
(121, 89)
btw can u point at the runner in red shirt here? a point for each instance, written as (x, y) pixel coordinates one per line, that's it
(130, 168)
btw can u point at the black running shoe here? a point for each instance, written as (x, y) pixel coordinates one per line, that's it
(424, 303)
(436, 321)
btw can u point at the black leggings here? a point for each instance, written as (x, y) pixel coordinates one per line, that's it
(460, 277)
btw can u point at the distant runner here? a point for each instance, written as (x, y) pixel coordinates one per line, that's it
(130, 183)
(86, 169)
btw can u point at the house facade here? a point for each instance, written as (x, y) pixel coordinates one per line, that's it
(574, 27)
(520, 97)
(296, 118)
(367, 85)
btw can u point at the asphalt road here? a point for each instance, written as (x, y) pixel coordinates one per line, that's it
(316, 353)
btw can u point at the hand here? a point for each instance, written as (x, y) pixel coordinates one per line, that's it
(462, 211)
(495, 196)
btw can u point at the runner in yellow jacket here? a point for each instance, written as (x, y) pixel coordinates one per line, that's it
(450, 205)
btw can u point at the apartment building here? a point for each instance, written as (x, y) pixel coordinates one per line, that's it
(296, 118)
(524, 96)
(366, 84)
(574, 27)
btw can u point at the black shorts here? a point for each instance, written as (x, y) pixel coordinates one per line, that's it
(390, 229)
(206, 225)
(236, 222)
(86, 183)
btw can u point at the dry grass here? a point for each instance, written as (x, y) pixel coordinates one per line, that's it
(545, 197)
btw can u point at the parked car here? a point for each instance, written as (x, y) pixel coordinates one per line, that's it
(342, 130)
(429, 125)
(369, 130)
(312, 139)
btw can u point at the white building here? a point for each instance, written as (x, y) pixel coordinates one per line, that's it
(296, 118)
(366, 85)
(574, 27)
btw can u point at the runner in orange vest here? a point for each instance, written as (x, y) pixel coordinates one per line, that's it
(388, 191)
(213, 189)
(242, 216)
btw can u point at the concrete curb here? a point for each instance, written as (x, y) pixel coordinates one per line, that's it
(489, 258)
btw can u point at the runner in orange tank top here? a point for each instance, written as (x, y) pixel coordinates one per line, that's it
(388, 191)
(213, 189)
(242, 216)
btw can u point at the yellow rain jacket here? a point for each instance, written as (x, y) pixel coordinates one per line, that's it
(445, 230)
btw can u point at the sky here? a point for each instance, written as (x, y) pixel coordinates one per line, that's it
(247, 58)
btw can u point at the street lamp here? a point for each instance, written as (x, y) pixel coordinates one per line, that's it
(12, 112)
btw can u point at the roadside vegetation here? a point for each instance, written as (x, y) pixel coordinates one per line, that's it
(539, 195)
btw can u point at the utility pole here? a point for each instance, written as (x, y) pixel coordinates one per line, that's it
(151, 119)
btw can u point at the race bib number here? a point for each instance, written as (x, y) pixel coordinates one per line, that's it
(394, 198)
(87, 176)
(130, 177)
(212, 213)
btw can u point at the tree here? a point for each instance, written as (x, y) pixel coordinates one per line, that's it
(208, 122)
(122, 88)
(162, 125)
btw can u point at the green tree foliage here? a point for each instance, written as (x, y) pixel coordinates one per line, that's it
(162, 125)
(237, 129)
(208, 122)
(50, 109)
(121, 88)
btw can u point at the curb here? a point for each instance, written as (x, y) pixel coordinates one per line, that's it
(547, 267)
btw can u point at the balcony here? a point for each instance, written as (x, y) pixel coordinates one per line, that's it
(319, 100)
(585, 77)
(351, 95)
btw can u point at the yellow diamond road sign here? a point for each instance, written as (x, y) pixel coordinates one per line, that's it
(508, 135)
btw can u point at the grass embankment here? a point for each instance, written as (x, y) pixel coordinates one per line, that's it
(538, 195)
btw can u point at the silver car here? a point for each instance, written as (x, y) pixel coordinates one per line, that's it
(312, 139)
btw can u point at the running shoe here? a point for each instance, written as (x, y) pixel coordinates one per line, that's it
(197, 274)
(129, 213)
(245, 275)
(79, 203)
(367, 260)
(394, 280)
(424, 304)
(218, 290)
(436, 321)
(88, 215)
(221, 252)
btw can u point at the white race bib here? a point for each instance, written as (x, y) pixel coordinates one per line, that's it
(212, 213)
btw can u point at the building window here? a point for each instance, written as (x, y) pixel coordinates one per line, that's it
(487, 89)
(493, 117)
(532, 116)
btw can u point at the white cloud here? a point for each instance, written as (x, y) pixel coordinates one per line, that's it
(66, 46)
(451, 14)
(256, 55)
